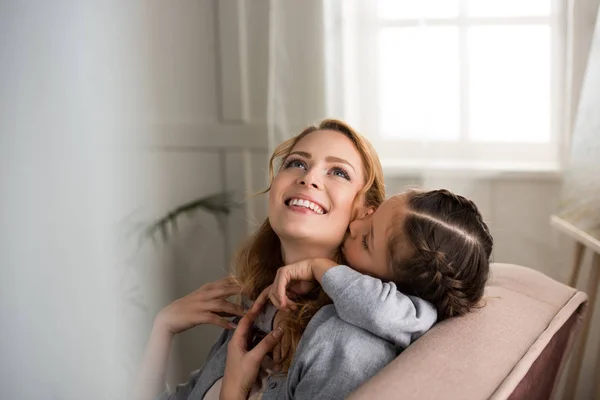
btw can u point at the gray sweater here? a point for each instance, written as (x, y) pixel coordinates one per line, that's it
(344, 344)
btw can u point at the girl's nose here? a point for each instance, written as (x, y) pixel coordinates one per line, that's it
(354, 227)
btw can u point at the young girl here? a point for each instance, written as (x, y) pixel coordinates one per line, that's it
(419, 246)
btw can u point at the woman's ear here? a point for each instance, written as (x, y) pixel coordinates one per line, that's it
(366, 211)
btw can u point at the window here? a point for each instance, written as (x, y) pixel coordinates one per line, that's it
(463, 81)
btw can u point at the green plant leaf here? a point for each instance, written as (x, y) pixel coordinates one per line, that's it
(219, 204)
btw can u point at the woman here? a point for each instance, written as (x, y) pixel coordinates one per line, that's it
(330, 176)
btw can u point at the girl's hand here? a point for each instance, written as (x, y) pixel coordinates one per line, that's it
(297, 277)
(207, 305)
(242, 366)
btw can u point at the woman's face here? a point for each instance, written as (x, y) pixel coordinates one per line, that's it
(312, 196)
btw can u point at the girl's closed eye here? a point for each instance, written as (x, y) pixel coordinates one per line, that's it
(364, 242)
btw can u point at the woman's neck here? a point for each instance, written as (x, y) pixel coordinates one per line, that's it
(294, 252)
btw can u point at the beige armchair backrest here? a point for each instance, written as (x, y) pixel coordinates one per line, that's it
(521, 335)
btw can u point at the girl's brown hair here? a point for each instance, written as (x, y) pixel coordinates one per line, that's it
(452, 247)
(257, 261)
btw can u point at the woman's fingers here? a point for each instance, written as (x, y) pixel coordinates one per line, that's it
(260, 301)
(214, 319)
(224, 306)
(270, 365)
(227, 284)
(223, 290)
(266, 345)
(242, 332)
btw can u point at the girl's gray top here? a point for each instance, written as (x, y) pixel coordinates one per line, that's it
(344, 344)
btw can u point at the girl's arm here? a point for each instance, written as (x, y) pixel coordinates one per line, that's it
(361, 300)
(334, 358)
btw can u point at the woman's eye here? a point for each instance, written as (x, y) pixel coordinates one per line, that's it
(341, 173)
(364, 242)
(295, 164)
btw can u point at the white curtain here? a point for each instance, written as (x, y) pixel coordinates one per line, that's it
(581, 20)
(296, 91)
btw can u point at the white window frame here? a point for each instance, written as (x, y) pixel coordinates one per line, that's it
(358, 52)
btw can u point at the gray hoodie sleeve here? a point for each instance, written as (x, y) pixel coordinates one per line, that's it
(377, 306)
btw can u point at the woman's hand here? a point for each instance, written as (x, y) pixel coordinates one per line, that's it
(297, 278)
(242, 366)
(207, 305)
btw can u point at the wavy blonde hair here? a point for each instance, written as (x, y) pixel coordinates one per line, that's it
(258, 260)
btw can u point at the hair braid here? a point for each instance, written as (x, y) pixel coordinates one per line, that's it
(452, 248)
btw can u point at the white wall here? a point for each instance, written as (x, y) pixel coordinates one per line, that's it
(70, 96)
(112, 114)
(207, 62)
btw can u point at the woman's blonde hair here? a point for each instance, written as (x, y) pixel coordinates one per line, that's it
(258, 260)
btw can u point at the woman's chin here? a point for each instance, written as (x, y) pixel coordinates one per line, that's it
(295, 232)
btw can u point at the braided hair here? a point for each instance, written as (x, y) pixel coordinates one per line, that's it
(451, 252)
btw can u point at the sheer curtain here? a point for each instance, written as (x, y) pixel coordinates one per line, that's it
(581, 20)
(297, 79)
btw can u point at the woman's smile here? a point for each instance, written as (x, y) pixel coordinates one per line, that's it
(305, 205)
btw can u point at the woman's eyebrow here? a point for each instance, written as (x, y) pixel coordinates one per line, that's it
(328, 159)
(340, 160)
(301, 153)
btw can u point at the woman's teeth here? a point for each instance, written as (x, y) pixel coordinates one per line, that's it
(307, 204)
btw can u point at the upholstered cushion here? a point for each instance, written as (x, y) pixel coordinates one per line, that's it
(487, 353)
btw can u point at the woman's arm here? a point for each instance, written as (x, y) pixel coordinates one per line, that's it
(361, 300)
(206, 305)
(150, 381)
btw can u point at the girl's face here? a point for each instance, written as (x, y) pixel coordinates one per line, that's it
(312, 196)
(366, 245)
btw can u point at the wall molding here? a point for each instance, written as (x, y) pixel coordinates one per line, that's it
(232, 68)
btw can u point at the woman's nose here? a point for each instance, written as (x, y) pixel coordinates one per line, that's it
(311, 178)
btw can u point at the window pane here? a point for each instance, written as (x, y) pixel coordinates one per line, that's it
(413, 9)
(509, 8)
(509, 83)
(419, 83)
